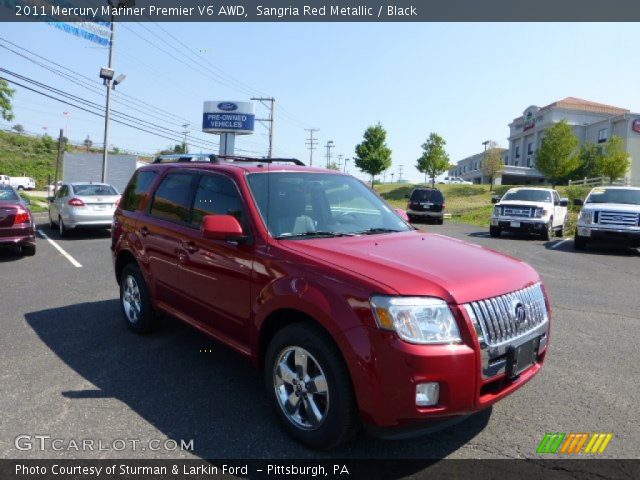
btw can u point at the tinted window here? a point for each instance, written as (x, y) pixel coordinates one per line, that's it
(172, 200)
(137, 190)
(216, 195)
(8, 194)
(94, 190)
(427, 196)
(614, 195)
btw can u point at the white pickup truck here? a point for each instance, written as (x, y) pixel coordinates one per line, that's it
(609, 214)
(531, 210)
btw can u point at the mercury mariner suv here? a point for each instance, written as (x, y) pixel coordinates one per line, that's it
(355, 318)
(609, 214)
(531, 210)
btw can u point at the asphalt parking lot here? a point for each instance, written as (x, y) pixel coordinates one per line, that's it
(69, 368)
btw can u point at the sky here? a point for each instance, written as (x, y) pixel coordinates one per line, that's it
(465, 81)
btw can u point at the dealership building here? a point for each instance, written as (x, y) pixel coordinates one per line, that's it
(591, 123)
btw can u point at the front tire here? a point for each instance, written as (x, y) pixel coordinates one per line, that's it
(135, 301)
(310, 387)
(579, 243)
(548, 233)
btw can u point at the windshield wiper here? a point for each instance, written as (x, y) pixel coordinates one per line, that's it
(373, 231)
(318, 233)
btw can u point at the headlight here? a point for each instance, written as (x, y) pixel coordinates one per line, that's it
(540, 213)
(416, 319)
(586, 216)
(496, 211)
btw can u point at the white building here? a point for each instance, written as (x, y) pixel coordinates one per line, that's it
(591, 122)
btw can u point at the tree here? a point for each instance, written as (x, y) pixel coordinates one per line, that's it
(372, 155)
(18, 128)
(333, 166)
(614, 161)
(557, 156)
(88, 143)
(492, 164)
(588, 156)
(6, 94)
(434, 159)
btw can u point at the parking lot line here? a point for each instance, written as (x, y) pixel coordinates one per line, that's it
(72, 260)
(557, 244)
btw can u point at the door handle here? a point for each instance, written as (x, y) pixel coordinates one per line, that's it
(144, 231)
(190, 247)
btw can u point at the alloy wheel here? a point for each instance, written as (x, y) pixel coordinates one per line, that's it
(131, 299)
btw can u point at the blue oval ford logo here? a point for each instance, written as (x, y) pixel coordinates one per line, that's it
(227, 106)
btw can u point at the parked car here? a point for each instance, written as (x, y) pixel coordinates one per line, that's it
(426, 204)
(454, 181)
(609, 214)
(22, 183)
(531, 210)
(83, 205)
(16, 222)
(355, 318)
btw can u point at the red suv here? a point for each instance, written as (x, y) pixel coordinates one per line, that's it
(356, 318)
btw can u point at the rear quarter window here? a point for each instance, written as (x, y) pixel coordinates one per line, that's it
(172, 198)
(137, 190)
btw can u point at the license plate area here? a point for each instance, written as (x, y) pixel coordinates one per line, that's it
(515, 224)
(521, 357)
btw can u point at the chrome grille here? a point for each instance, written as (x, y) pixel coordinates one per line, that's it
(497, 317)
(618, 218)
(511, 211)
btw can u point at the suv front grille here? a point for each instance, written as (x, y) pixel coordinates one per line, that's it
(629, 219)
(510, 211)
(507, 317)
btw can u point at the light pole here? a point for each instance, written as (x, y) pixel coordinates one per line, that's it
(107, 75)
(329, 146)
(484, 159)
(345, 164)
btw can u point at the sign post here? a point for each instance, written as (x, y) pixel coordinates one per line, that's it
(228, 119)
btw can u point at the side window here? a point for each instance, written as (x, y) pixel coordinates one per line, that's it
(216, 195)
(172, 200)
(137, 190)
(556, 198)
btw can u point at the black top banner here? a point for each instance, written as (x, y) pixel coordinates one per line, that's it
(319, 11)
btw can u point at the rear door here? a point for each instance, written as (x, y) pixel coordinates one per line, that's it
(161, 233)
(217, 273)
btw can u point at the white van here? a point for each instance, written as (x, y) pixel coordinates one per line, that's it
(23, 183)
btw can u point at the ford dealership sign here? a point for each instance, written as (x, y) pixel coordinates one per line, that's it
(228, 117)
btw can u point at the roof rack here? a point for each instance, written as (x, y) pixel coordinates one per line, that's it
(213, 158)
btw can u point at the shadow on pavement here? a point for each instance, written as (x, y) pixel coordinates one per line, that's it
(217, 399)
(74, 234)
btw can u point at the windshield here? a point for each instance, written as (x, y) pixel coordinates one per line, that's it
(307, 205)
(94, 190)
(7, 194)
(530, 195)
(614, 195)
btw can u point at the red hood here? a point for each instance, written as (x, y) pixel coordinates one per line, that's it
(418, 263)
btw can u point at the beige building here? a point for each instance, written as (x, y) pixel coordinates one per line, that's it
(591, 122)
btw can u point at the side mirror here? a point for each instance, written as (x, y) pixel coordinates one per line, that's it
(221, 227)
(579, 202)
(495, 198)
(564, 202)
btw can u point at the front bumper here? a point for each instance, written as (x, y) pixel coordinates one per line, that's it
(612, 235)
(470, 379)
(529, 225)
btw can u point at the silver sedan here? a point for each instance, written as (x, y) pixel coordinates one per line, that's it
(83, 205)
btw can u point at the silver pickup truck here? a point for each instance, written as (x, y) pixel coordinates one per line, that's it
(609, 214)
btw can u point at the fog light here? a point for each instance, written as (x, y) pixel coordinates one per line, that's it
(427, 394)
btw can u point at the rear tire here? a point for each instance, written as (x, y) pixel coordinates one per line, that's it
(297, 355)
(28, 250)
(135, 302)
(440, 221)
(494, 232)
(62, 230)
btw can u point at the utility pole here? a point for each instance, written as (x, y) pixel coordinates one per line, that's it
(311, 143)
(107, 108)
(340, 157)
(271, 105)
(400, 167)
(58, 161)
(329, 146)
(184, 144)
(345, 164)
